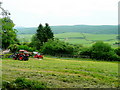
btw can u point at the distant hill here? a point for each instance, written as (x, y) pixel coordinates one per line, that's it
(92, 29)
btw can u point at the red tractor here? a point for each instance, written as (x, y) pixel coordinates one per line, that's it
(38, 55)
(22, 55)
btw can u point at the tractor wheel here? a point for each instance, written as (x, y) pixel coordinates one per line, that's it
(20, 58)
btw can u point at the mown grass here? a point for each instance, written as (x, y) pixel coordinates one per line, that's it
(63, 73)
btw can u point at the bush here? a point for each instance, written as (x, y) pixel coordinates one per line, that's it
(85, 51)
(22, 83)
(117, 51)
(103, 51)
(113, 57)
(53, 47)
(25, 47)
(77, 48)
(13, 47)
(100, 51)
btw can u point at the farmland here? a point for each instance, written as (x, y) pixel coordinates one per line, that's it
(63, 73)
(76, 34)
(86, 39)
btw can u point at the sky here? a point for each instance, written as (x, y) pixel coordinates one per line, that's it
(30, 13)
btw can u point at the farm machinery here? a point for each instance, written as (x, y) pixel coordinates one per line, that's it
(21, 55)
(37, 55)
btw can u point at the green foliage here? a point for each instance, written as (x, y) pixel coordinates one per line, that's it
(77, 48)
(48, 32)
(56, 46)
(35, 42)
(85, 51)
(13, 47)
(8, 33)
(42, 35)
(100, 51)
(100, 46)
(103, 51)
(25, 47)
(117, 51)
(22, 83)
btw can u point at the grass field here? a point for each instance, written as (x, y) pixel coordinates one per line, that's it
(77, 38)
(25, 37)
(63, 72)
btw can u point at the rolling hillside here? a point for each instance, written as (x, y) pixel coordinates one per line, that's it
(77, 38)
(92, 29)
(77, 34)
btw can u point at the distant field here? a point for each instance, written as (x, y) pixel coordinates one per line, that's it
(87, 39)
(77, 38)
(92, 29)
(63, 73)
(25, 37)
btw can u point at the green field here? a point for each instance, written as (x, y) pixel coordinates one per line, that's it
(63, 72)
(24, 37)
(77, 38)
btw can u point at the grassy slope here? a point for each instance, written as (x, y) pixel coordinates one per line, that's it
(93, 29)
(59, 73)
(71, 38)
(108, 38)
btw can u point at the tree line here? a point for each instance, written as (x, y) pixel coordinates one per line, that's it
(43, 41)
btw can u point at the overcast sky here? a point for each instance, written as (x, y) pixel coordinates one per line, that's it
(30, 13)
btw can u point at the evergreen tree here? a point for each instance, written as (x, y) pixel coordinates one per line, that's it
(48, 32)
(42, 35)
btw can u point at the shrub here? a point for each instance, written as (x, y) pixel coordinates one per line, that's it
(85, 51)
(53, 47)
(100, 51)
(103, 51)
(77, 48)
(13, 47)
(117, 51)
(25, 47)
(6, 84)
(22, 83)
(113, 57)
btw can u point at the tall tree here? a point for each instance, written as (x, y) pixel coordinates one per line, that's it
(42, 35)
(48, 32)
(9, 35)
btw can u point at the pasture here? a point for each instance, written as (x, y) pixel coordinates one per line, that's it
(63, 73)
(85, 39)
